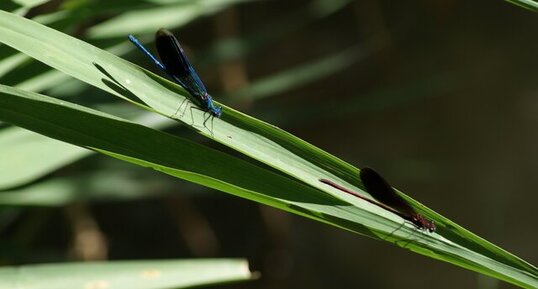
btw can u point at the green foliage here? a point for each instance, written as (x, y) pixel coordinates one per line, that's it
(283, 171)
(527, 4)
(159, 274)
(294, 188)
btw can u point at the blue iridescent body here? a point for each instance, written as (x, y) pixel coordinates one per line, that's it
(176, 64)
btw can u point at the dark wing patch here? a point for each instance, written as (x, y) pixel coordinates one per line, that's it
(177, 64)
(381, 190)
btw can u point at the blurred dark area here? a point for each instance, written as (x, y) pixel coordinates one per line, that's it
(441, 97)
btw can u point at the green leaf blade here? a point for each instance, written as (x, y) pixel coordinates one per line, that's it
(158, 274)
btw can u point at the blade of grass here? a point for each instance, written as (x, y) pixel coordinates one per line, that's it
(110, 73)
(56, 79)
(527, 4)
(302, 74)
(276, 148)
(150, 19)
(190, 161)
(157, 274)
(106, 185)
(27, 156)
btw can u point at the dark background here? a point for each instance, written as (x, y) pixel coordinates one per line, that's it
(441, 97)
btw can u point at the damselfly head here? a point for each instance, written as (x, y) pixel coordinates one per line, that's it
(216, 111)
(422, 223)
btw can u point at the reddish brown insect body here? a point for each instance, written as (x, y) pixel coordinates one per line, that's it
(386, 197)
